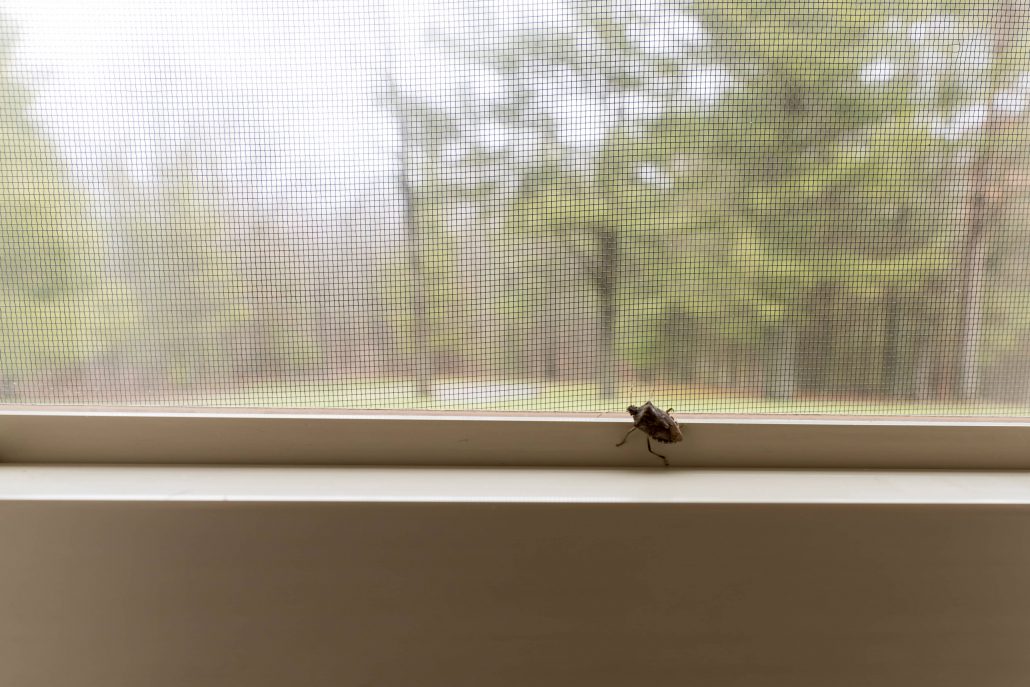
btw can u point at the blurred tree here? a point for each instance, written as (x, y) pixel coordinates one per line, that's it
(577, 97)
(744, 185)
(426, 286)
(187, 297)
(846, 183)
(48, 258)
(987, 191)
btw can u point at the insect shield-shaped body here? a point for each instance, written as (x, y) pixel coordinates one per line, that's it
(657, 424)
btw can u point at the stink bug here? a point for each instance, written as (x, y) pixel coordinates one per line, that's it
(657, 424)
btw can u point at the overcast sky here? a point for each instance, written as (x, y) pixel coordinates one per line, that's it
(291, 80)
(127, 77)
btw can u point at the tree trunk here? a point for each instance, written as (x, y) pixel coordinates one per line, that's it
(971, 293)
(822, 373)
(551, 349)
(420, 338)
(384, 343)
(921, 390)
(551, 322)
(781, 377)
(982, 202)
(262, 296)
(679, 347)
(891, 380)
(606, 277)
(891, 368)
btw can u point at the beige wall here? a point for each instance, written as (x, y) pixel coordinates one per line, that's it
(489, 595)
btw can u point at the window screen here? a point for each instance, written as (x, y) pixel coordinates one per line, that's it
(718, 205)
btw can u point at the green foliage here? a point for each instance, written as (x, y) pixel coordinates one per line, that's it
(48, 250)
(802, 183)
(813, 211)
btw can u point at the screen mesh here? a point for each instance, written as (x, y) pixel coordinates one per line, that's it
(718, 205)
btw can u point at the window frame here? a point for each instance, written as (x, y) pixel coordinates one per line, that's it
(280, 437)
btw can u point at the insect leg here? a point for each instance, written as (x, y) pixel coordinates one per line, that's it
(651, 450)
(635, 428)
(669, 410)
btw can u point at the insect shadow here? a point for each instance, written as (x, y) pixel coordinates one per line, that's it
(657, 424)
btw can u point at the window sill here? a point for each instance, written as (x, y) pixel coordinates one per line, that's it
(458, 440)
(509, 485)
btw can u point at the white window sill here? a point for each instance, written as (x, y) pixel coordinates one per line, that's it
(509, 485)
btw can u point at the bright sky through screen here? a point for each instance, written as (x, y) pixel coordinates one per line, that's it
(116, 80)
